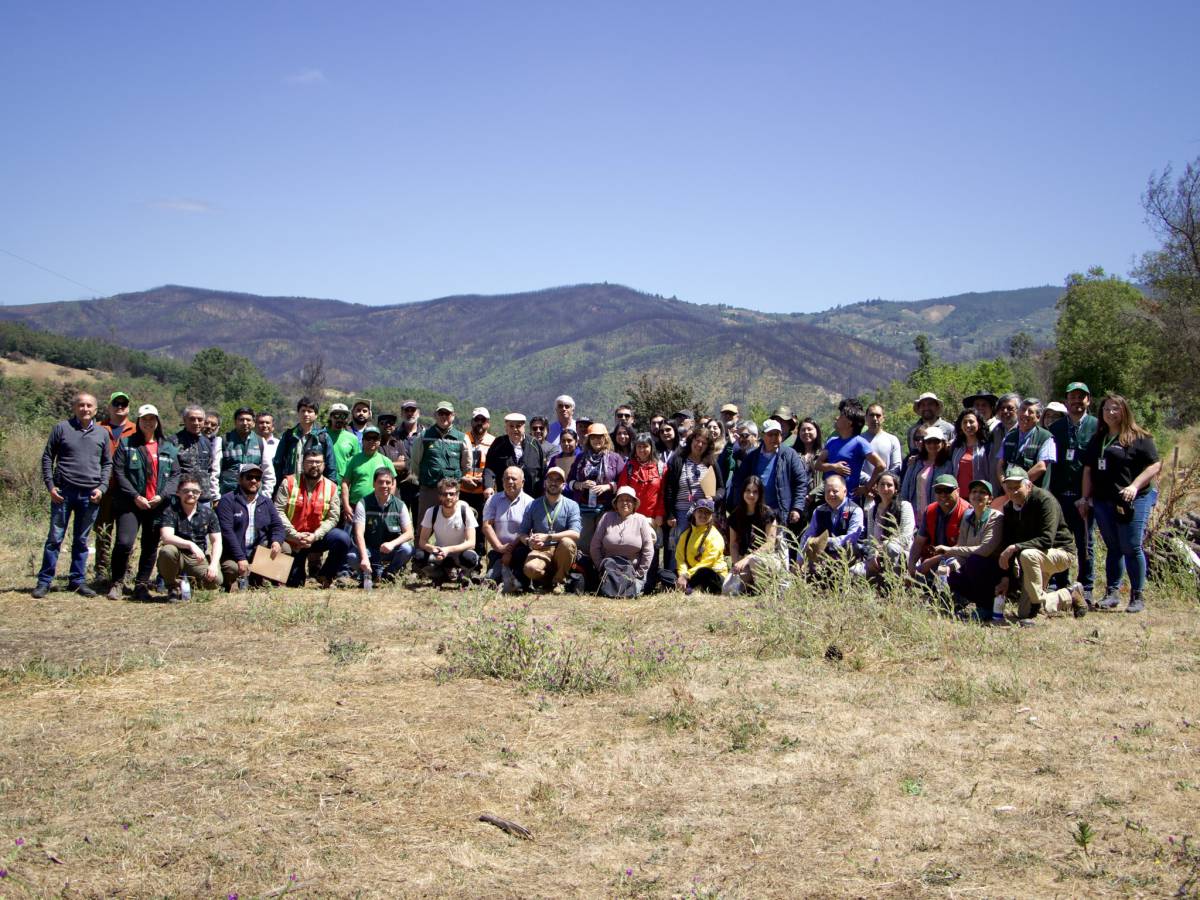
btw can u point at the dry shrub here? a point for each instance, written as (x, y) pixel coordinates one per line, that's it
(21, 486)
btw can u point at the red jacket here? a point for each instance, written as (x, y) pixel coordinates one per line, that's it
(952, 527)
(647, 481)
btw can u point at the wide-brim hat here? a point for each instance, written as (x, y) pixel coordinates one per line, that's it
(969, 402)
(928, 395)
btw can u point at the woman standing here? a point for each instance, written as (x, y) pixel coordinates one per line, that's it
(568, 441)
(147, 469)
(687, 474)
(755, 551)
(809, 444)
(923, 470)
(622, 439)
(644, 473)
(668, 442)
(593, 478)
(1119, 468)
(723, 447)
(969, 452)
(889, 529)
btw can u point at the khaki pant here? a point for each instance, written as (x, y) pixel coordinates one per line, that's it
(1036, 568)
(173, 563)
(561, 558)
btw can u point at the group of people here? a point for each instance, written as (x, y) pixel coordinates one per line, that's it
(718, 504)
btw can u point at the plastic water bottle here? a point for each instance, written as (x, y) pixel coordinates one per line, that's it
(998, 609)
(592, 497)
(368, 582)
(185, 588)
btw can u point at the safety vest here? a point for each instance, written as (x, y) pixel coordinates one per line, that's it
(383, 522)
(234, 452)
(441, 455)
(326, 492)
(478, 461)
(952, 526)
(1026, 456)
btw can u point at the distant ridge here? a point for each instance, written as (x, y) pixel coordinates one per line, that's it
(522, 349)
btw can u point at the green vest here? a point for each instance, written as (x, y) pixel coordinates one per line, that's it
(441, 455)
(1069, 442)
(1027, 456)
(137, 464)
(234, 452)
(383, 523)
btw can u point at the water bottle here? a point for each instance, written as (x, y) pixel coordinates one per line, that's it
(998, 609)
(592, 497)
(185, 588)
(368, 582)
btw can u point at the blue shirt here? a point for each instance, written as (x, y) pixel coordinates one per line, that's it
(851, 451)
(764, 468)
(539, 513)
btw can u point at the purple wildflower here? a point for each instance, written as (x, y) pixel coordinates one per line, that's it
(20, 842)
(629, 873)
(233, 896)
(124, 826)
(292, 877)
(3, 873)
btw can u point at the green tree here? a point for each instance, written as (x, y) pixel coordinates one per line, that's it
(1102, 337)
(221, 381)
(663, 396)
(1020, 345)
(926, 361)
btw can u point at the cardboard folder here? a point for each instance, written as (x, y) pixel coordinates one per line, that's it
(276, 569)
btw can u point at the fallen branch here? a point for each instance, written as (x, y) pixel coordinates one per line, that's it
(517, 831)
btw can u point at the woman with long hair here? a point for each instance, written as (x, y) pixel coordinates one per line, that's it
(889, 529)
(969, 457)
(568, 442)
(755, 550)
(1119, 468)
(687, 473)
(923, 470)
(622, 440)
(809, 444)
(723, 447)
(668, 441)
(593, 478)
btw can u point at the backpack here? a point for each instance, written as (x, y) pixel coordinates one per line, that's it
(617, 578)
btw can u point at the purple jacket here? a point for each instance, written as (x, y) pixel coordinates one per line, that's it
(611, 464)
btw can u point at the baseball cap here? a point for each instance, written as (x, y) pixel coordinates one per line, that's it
(771, 425)
(784, 414)
(370, 429)
(1015, 473)
(556, 470)
(146, 409)
(945, 481)
(364, 401)
(410, 404)
(983, 483)
(339, 407)
(249, 467)
(444, 405)
(481, 411)
(934, 434)
(392, 417)
(702, 503)
(117, 394)
(1078, 386)
(1055, 406)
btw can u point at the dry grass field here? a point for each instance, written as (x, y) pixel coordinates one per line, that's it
(334, 744)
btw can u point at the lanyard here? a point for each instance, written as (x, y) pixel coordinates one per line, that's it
(550, 518)
(1104, 445)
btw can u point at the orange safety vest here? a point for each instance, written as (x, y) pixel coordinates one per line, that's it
(478, 461)
(301, 501)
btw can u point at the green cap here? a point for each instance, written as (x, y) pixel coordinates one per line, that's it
(945, 481)
(115, 394)
(370, 429)
(445, 405)
(1015, 473)
(1079, 386)
(983, 483)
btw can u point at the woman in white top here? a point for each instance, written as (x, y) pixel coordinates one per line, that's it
(446, 548)
(889, 529)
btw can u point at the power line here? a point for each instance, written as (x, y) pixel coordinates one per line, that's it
(51, 271)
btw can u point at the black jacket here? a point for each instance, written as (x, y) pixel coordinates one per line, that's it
(671, 484)
(501, 455)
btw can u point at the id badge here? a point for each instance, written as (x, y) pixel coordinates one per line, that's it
(1070, 454)
(1102, 464)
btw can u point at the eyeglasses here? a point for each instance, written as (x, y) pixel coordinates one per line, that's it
(191, 492)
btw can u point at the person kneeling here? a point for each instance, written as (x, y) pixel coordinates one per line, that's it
(248, 520)
(622, 547)
(188, 528)
(974, 573)
(700, 552)
(940, 526)
(383, 530)
(834, 531)
(756, 554)
(548, 536)
(452, 523)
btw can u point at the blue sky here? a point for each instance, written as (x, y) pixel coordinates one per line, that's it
(780, 156)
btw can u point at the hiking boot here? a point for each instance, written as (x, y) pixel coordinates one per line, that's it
(175, 595)
(116, 592)
(141, 592)
(1111, 599)
(1136, 604)
(1079, 604)
(345, 582)
(84, 591)
(40, 591)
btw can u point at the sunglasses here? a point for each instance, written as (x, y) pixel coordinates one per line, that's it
(250, 476)
(191, 492)
(943, 490)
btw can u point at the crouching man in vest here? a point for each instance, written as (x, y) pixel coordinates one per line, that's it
(383, 529)
(939, 528)
(309, 506)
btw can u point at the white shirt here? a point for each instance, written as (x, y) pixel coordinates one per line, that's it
(452, 529)
(888, 446)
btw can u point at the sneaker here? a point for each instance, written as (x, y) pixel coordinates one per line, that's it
(1079, 604)
(116, 592)
(40, 591)
(1136, 604)
(1027, 623)
(84, 591)
(1111, 599)
(141, 592)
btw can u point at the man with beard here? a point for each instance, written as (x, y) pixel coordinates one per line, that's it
(548, 537)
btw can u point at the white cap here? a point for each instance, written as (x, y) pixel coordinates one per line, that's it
(147, 409)
(481, 411)
(1056, 407)
(339, 407)
(516, 417)
(771, 425)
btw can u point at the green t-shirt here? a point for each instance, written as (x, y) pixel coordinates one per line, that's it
(345, 448)
(360, 473)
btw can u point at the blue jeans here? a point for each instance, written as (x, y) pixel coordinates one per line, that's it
(389, 563)
(79, 502)
(336, 545)
(1084, 546)
(1124, 541)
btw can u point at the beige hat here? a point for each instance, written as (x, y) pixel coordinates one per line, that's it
(556, 470)
(147, 409)
(928, 395)
(516, 417)
(730, 407)
(626, 491)
(597, 428)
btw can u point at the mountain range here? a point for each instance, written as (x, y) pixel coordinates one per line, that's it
(592, 340)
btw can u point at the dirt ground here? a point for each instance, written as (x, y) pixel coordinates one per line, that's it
(344, 744)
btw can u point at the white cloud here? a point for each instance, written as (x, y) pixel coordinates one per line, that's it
(181, 204)
(306, 77)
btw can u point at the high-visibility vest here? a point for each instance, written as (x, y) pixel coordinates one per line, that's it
(326, 492)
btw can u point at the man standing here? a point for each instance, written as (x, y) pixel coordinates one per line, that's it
(502, 517)
(118, 425)
(787, 421)
(76, 469)
(783, 473)
(308, 506)
(242, 445)
(730, 416)
(394, 448)
(264, 424)
(539, 427)
(407, 432)
(747, 440)
(1028, 446)
(1036, 538)
(440, 452)
(297, 441)
(248, 520)
(346, 444)
(472, 486)
(360, 416)
(885, 444)
(212, 425)
(929, 411)
(195, 451)
(513, 448)
(189, 541)
(1007, 414)
(1071, 435)
(549, 537)
(564, 417)
(623, 415)
(410, 427)
(360, 472)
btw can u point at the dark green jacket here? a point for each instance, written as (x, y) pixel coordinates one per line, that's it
(1038, 525)
(132, 465)
(441, 455)
(1066, 477)
(234, 452)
